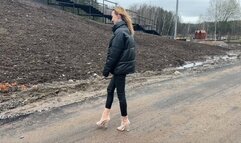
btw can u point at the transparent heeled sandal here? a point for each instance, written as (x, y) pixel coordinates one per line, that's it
(124, 127)
(103, 123)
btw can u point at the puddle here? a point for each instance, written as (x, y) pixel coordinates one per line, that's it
(190, 65)
(210, 60)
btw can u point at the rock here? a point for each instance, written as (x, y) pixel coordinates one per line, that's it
(95, 75)
(180, 62)
(59, 99)
(177, 73)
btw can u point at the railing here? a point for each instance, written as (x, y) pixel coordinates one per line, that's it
(97, 9)
(146, 23)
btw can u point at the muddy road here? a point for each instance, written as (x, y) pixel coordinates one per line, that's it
(202, 108)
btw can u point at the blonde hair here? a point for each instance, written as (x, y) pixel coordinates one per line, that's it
(125, 17)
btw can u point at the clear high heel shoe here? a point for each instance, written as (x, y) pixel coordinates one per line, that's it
(103, 123)
(124, 126)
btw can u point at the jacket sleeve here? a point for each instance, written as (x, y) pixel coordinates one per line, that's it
(115, 51)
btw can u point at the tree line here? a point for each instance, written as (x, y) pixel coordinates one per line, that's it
(223, 18)
(162, 19)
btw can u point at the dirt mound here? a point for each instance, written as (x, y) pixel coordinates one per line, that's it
(42, 44)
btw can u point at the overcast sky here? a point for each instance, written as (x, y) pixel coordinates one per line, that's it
(189, 10)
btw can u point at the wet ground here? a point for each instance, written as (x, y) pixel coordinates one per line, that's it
(50, 58)
(51, 89)
(44, 97)
(201, 108)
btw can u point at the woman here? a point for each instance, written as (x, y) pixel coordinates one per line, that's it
(120, 62)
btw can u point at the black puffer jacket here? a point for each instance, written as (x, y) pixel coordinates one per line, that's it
(121, 51)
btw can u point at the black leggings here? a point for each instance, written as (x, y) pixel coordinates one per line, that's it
(118, 82)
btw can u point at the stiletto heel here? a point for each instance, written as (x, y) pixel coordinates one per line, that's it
(128, 128)
(106, 124)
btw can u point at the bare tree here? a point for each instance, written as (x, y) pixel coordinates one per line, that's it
(222, 11)
(153, 15)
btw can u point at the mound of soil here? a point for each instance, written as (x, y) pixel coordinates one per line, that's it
(41, 44)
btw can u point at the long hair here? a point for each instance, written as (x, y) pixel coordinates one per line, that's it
(125, 17)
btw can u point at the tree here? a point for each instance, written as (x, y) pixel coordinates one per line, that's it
(223, 11)
(162, 19)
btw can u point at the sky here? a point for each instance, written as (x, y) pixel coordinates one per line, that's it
(189, 10)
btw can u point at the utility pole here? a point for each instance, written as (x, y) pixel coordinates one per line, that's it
(215, 26)
(104, 11)
(176, 20)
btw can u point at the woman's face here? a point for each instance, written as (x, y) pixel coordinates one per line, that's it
(115, 18)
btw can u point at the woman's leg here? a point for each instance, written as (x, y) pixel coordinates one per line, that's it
(110, 93)
(106, 113)
(120, 86)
